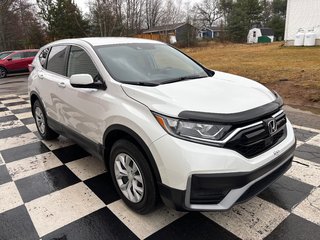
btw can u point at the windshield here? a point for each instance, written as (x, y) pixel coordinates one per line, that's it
(4, 54)
(148, 63)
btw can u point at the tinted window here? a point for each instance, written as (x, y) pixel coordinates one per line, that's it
(30, 54)
(43, 56)
(4, 54)
(56, 60)
(17, 56)
(80, 63)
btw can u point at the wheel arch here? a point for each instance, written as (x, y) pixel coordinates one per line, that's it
(34, 96)
(117, 132)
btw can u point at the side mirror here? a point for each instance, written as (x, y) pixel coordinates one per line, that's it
(81, 81)
(85, 81)
(9, 59)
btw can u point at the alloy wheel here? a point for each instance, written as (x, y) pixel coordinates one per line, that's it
(40, 120)
(129, 178)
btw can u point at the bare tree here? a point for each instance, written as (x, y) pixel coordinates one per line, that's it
(172, 12)
(153, 12)
(208, 12)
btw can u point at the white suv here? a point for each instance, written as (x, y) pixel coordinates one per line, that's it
(164, 124)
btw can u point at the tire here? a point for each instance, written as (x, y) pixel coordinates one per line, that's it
(40, 118)
(140, 177)
(3, 72)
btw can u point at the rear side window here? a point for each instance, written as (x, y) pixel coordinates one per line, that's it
(56, 60)
(80, 63)
(43, 57)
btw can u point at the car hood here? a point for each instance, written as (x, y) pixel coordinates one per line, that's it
(223, 93)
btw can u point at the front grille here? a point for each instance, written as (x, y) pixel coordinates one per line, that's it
(256, 140)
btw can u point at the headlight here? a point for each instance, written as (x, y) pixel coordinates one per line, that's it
(197, 131)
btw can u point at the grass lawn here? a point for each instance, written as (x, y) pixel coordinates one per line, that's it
(293, 72)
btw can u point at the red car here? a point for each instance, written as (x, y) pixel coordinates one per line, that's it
(16, 61)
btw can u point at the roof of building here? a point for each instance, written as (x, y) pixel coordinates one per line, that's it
(164, 28)
(266, 31)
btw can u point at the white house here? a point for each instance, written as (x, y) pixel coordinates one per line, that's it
(302, 14)
(255, 33)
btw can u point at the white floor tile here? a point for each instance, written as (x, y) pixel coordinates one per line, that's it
(87, 167)
(16, 141)
(10, 124)
(254, 219)
(315, 141)
(12, 100)
(55, 210)
(144, 225)
(32, 127)
(305, 171)
(9, 197)
(32, 165)
(19, 106)
(5, 113)
(310, 207)
(24, 115)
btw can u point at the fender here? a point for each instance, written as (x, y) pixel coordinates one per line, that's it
(138, 139)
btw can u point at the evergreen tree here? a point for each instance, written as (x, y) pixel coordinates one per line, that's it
(63, 18)
(244, 15)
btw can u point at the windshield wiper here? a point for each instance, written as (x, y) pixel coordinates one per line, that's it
(147, 84)
(182, 79)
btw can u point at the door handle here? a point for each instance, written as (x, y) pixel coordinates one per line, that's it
(62, 84)
(41, 75)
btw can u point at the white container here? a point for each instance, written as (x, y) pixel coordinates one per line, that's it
(310, 39)
(299, 38)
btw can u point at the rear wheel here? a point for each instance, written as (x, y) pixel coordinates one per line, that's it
(3, 72)
(41, 122)
(132, 177)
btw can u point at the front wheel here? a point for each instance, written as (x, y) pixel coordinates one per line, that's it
(132, 177)
(41, 122)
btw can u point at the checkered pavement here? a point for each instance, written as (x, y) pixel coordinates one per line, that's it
(56, 190)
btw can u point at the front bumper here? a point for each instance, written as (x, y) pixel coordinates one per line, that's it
(210, 192)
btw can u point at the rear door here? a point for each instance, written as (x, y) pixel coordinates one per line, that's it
(54, 80)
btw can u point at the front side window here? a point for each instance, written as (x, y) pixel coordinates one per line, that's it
(4, 54)
(80, 63)
(56, 60)
(17, 56)
(30, 54)
(148, 63)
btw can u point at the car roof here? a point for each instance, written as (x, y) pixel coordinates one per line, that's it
(17, 51)
(98, 41)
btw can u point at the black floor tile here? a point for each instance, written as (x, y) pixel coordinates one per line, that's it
(308, 152)
(24, 151)
(13, 132)
(304, 135)
(23, 110)
(286, 192)
(15, 103)
(102, 224)
(2, 109)
(4, 175)
(27, 121)
(8, 118)
(70, 153)
(103, 187)
(193, 226)
(8, 98)
(295, 228)
(45, 183)
(16, 224)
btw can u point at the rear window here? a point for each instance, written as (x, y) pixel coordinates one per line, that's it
(4, 54)
(56, 60)
(43, 57)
